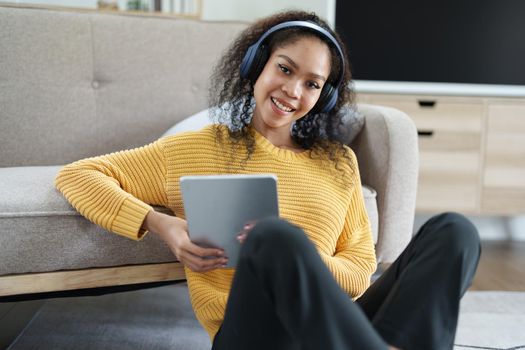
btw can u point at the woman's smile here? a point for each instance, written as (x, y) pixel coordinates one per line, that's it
(282, 106)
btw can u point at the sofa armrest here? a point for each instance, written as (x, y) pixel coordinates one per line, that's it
(387, 152)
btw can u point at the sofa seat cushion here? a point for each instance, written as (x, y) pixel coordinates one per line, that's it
(41, 232)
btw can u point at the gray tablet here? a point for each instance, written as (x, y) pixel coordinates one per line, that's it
(218, 206)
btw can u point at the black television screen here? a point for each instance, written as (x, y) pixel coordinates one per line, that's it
(445, 41)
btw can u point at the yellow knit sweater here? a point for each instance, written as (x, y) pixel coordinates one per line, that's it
(115, 191)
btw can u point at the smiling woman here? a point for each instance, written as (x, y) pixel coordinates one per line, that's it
(279, 92)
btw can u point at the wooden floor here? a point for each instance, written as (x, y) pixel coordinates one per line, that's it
(501, 267)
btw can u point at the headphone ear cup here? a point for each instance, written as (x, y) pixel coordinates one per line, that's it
(247, 61)
(331, 100)
(327, 99)
(259, 61)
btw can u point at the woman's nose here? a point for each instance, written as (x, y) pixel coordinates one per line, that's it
(292, 88)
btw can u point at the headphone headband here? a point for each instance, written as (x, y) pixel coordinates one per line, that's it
(309, 25)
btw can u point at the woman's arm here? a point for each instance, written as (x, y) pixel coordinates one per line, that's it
(115, 191)
(354, 260)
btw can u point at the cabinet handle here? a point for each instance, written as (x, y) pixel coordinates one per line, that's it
(426, 103)
(425, 133)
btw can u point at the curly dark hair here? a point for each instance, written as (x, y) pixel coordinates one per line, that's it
(232, 101)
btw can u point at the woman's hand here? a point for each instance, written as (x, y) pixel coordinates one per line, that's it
(174, 232)
(241, 236)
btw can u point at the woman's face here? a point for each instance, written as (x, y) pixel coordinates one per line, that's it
(291, 83)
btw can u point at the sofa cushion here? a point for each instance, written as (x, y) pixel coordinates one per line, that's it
(40, 231)
(86, 76)
(194, 122)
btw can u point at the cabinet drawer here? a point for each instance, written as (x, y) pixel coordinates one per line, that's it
(505, 147)
(450, 134)
(504, 172)
(443, 124)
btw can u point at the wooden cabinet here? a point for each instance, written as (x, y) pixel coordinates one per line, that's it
(504, 168)
(472, 151)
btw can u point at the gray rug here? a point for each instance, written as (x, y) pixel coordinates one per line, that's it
(161, 318)
(491, 320)
(156, 318)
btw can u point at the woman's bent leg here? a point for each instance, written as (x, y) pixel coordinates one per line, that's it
(284, 297)
(415, 303)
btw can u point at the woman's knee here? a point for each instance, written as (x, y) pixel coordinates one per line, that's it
(456, 233)
(276, 233)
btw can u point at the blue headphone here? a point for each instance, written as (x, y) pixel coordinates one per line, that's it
(257, 55)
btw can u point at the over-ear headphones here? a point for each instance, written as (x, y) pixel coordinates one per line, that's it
(257, 55)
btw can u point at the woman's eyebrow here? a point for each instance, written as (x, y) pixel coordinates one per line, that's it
(296, 66)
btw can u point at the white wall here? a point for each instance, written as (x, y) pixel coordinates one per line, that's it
(219, 10)
(87, 4)
(246, 10)
(92, 4)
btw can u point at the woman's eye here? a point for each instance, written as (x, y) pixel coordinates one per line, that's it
(284, 69)
(313, 85)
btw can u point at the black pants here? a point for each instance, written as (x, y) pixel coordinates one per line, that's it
(284, 297)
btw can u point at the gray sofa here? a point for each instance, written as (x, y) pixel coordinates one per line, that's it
(80, 84)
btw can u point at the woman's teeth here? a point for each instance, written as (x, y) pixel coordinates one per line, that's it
(281, 106)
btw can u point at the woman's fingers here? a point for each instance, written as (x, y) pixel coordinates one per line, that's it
(199, 264)
(241, 236)
(173, 231)
(203, 252)
(201, 259)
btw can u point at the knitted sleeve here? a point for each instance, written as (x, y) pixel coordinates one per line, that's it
(112, 190)
(354, 260)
